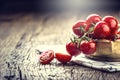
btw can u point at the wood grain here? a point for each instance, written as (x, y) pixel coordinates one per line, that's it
(21, 33)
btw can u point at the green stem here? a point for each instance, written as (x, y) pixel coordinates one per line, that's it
(79, 40)
(38, 51)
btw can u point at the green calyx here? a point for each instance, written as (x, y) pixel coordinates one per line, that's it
(85, 35)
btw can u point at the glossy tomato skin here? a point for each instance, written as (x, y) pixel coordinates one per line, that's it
(101, 30)
(63, 58)
(46, 57)
(88, 47)
(112, 23)
(91, 20)
(72, 49)
(76, 27)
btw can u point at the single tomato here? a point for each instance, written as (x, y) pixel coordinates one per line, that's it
(112, 23)
(62, 57)
(72, 49)
(46, 57)
(79, 28)
(88, 47)
(91, 20)
(101, 30)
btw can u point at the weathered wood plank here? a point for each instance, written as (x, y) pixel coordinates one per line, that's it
(19, 39)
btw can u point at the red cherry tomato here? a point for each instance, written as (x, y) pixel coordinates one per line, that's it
(46, 57)
(63, 58)
(72, 49)
(88, 47)
(101, 30)
(76, 27)
(112, 23)
(92, 20)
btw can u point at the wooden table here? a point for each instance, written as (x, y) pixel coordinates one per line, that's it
(21, 33)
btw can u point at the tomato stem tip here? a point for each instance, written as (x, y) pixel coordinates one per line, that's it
(38, 51)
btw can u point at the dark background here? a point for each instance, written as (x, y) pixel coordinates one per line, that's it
(14, 6)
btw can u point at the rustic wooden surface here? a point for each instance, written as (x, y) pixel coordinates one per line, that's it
(21, 33)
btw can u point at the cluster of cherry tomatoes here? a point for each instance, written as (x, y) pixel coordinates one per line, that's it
(86, 32)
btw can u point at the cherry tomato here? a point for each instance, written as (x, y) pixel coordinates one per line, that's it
(72, 49)
(76, 27)
(88, 47)
(63, 58)
(101, 30)
(112, 23)
(92, 20)
(46, 57)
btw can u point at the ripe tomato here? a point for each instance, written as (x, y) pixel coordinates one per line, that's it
(92, 19)
(72, 49)
(46, 57)
(88, 47)
(63, 58)
(76, 27)
(112, 23)
(101, 30)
